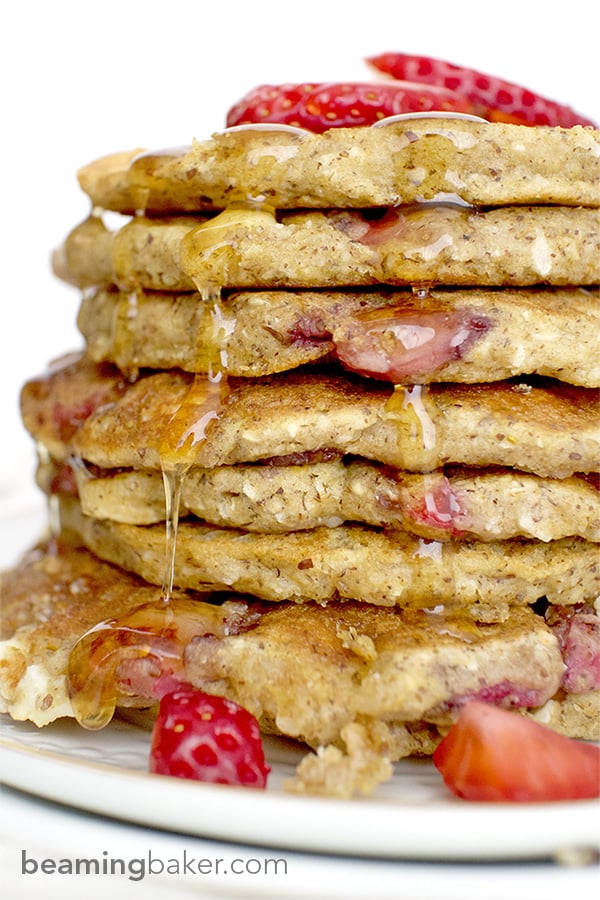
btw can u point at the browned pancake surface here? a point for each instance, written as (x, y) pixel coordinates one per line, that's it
(550, 429)
(379, 682)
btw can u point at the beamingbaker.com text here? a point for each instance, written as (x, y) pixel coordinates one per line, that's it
(140, 867)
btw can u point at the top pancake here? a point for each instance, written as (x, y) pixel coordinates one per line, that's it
(405, 162)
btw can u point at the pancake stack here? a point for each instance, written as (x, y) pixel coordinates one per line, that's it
(332, 448)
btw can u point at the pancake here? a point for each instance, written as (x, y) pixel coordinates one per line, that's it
(350, 562)
(421, 245)
(56, 403)
(384, 683)
(85, 258)
(471, 335)
(549, 429)
(423, 158)
(142, 252)
(247, 246)
(454, 504)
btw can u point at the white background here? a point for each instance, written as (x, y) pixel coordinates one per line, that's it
(81, 79)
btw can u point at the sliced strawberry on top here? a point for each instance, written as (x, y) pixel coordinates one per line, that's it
(492, 754)
(318, 107)
(491, 97)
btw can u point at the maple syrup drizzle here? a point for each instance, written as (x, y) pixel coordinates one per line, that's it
(213, 243)
(143, 177)
(122, 340)
(411, 396)
(157, 632)
(421, 292)
(173, 482)
(433, 114)
(186, 431)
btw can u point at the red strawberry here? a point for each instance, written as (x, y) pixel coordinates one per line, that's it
(318, 107)
(207, 738)
(491, 97)
(403, 345)
(492, 754)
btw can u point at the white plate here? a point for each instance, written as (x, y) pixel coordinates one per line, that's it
(411, 817)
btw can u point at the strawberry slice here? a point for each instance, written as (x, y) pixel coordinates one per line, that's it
(406, 344)
(207, 738)
(318, 107)
(492, 754)
(490, 97)
(439, 508)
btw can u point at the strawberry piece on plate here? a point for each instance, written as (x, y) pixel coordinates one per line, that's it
(493, 754)
(318, 107)
(491, 97)
(207, 738)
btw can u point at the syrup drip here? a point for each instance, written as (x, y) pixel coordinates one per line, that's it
(173, 482)
(186, 431)
(211, 245)
(405, 397)
(154, 635)
(455, 625)
(143, 178)
(420, 292)
(121, 336)
(188, 428)
(434, 114)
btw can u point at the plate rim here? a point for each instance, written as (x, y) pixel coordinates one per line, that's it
(438, 831)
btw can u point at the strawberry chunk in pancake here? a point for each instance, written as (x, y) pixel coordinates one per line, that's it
(406, 345)
(55, 405)
(578, 631)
